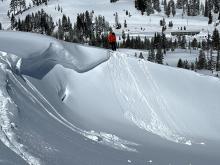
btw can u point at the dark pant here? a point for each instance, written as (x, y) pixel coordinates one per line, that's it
(113, 45)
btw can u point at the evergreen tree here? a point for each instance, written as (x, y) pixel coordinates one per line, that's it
(170, 24)
(201, 64)
(151, 55)
(194, 43)
(218, 61)
(39, 2)
(204, 45)
(22, 5)
(156, 5)
(179, 4)
(117, 24)
(173, 8)
(112, 1)
(186, 64)
(13, 6)
(13, 21)
(215, 39)
(216, 5)
(140, 5)
(147, 43)
(135, 54)
(66, 25)
(162, 22)
(167, 10)
(180, 63)
(125, 24)
(159, 56)
(60, 32)
(123, 35)
(210, 64)
(128, 42)
(165, 6)
(183, 42)
(210, 18)
(192, 66)
(149, 7)
(170, 9)
(210, 5)
(164, 42)
(39, 22)
(146, 6)
(141, 55)
(193, 7)
(207, 11)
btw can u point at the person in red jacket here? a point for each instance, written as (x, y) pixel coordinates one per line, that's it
(112, 40)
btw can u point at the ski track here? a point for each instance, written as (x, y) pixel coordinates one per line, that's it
(7, 136)
(127, 82)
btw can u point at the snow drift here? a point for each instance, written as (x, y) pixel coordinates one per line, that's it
(76, 104)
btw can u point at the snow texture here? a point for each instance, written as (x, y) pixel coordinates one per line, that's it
(65, 103)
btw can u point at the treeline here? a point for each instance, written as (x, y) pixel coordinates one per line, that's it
(157, 45)
(159, 41)
(112, 1)
(87, 28)
(204, 61)
(39, 22)
(17, 6)
(189, 7)
(208, 60)
(39, 2)
(160, 44)
(148, 6)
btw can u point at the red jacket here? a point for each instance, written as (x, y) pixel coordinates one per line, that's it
(111, 38)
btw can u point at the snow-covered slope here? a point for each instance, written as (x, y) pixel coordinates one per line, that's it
(71, 104)
(137, 24)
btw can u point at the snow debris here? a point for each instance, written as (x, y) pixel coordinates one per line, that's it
(7, 135)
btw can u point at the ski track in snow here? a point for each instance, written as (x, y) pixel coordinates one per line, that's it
(163, 105)
(127, 82)
(7, 135)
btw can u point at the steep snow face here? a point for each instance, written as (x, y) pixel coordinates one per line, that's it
(110, 108)
(7, 111)
(158, 99)
(161, 100)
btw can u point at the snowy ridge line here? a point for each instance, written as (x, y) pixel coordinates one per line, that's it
(58, 53)
(130, 83)
(99, 137)
(7, 136)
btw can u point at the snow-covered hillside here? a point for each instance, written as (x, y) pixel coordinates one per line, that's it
(65, 103)
(137, 24)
